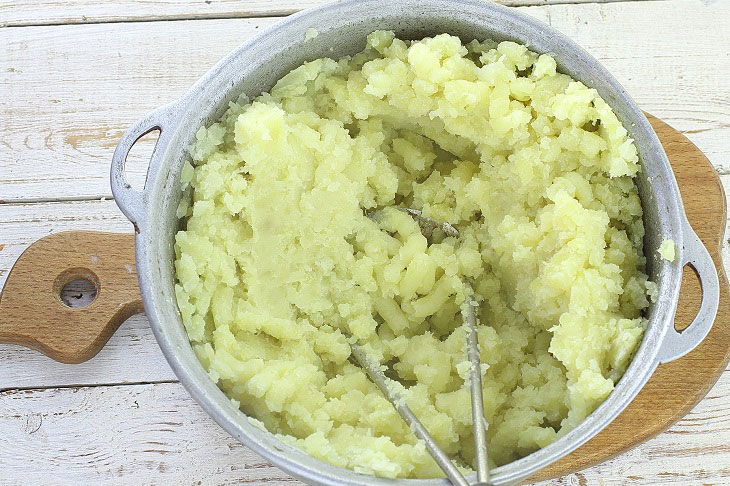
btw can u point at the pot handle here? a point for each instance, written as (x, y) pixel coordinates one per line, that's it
(133, 203)
(678, 343)
(32, 313)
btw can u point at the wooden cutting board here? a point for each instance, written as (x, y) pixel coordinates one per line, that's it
(33, 315)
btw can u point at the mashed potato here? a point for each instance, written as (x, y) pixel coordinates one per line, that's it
(667, 250)
(279, 260)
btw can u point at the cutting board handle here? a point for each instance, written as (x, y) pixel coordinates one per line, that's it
(32, 313)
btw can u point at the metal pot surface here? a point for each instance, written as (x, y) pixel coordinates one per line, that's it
(256, 65)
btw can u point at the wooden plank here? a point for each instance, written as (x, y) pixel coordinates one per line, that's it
(53, 12)
(66, 107)
(143, 434)
(156, 434)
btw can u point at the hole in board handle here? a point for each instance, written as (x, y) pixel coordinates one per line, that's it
(78, 293)
(76, 288)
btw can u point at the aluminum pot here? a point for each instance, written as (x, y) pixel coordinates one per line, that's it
(257, 64)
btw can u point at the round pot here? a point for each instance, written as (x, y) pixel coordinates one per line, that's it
(256, 65)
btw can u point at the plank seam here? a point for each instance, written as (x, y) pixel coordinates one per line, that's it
(274, 14)
(50, 200)
(14, 389)
(178, 18)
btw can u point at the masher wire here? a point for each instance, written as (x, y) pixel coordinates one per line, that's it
(375, 373)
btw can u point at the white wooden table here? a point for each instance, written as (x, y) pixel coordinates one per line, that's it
(75, 73)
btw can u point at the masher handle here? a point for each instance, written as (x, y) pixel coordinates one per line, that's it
(468, 310)
(378, 377)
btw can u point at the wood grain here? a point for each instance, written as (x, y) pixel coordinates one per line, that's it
(51, 12)
(672, 391)
(66, 107)
(32, 313)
